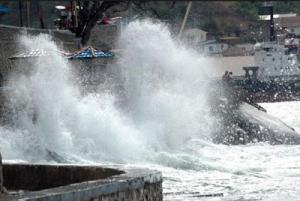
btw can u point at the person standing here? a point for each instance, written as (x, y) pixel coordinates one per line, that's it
(226, 76)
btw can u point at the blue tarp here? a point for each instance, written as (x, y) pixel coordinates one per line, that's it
(89, 53)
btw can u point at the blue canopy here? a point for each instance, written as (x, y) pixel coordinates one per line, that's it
(89, 53)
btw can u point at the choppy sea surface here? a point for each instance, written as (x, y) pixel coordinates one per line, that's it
(246, 172)
(162, 121)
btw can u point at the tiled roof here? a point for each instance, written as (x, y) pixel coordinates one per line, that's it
(31, 53)
(86, 53)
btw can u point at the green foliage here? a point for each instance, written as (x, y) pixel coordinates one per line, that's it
(285, 6)
(210, 25)
(248, 9)
(251, 8)
(232, 29)
(212, 16)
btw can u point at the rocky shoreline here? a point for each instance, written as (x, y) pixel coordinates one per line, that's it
(240, 121)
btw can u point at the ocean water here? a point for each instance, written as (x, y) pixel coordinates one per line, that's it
(161, 121)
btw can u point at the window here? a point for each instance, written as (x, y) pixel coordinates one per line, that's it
(292, 50)
(211, 48)
(286, 52)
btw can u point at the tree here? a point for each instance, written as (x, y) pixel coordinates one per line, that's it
(211, 25)
(248, 9)
(91, 11)
(88, 15)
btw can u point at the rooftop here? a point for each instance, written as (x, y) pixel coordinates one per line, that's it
(288, 21)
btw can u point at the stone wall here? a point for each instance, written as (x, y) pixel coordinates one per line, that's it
(38, 177)
(150, 192)
(111, 183)
(218, 65)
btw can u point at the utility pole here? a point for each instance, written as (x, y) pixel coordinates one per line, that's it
(272, 29)
(185, 18)
(268, 5)
(20, 13)
(40, 13)
(28, 13)
(74, 13)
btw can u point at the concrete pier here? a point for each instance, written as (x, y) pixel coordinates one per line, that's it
(81, 183)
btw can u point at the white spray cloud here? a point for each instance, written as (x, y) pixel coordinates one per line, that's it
(164, 83)
(164, 89)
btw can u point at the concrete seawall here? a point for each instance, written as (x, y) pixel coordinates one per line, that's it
(80, 183)
(69, 182)
(218, 65)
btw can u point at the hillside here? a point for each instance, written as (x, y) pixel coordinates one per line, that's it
(218, 18)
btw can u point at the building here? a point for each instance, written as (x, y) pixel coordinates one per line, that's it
(275, 16)
(292, 24)
(194, 36)
(247, 48)
(212, 48)
(233, 52)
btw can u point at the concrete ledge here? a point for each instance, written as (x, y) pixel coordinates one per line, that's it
(118, 183)
(37, 177)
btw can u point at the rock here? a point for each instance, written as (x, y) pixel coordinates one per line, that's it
(241, 123)
(240, 120)
(54, 156)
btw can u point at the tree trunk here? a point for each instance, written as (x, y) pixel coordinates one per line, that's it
(89, 17)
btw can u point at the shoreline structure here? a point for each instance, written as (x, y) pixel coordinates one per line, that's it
(35, 182)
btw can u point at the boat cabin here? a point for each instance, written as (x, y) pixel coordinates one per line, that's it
(277, 61)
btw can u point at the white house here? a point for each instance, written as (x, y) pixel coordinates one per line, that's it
(194, 36)
(212, 48)
(248, 48)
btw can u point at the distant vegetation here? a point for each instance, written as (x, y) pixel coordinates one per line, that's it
(251, 8)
